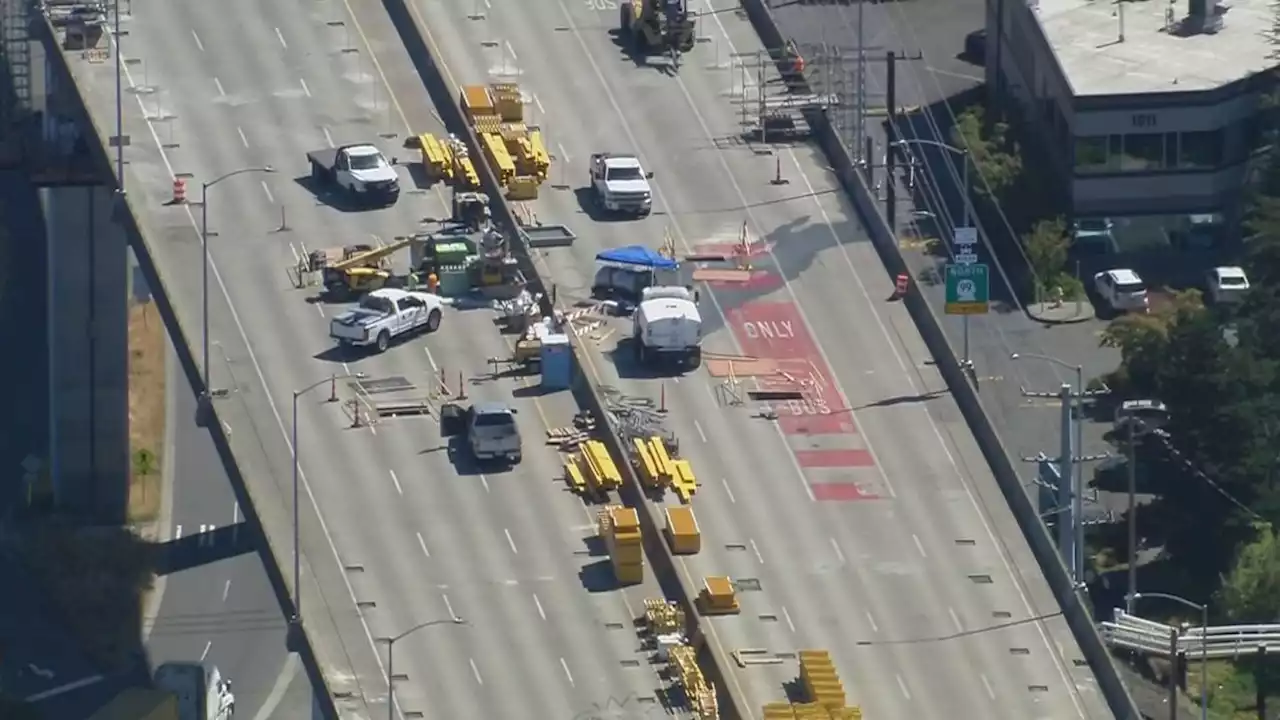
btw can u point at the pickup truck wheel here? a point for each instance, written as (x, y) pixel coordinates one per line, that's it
(433, 321)
(384, 340)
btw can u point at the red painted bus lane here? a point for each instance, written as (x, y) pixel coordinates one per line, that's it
(831, 454)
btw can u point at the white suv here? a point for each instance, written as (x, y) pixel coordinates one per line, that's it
(1122, 290)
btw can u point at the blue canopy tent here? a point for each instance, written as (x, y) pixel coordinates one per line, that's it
(636, 258)
(626, 271)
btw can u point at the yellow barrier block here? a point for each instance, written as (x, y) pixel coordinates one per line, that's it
(435, 159)
(476, 101)
(466, 173)
(573, 476)
(541, 159)
(649, 472)
(499, 157)
(522, 187)
(683, 481)
(683, 534)
(601, 465)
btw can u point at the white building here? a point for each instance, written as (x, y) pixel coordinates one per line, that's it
(1148, 108)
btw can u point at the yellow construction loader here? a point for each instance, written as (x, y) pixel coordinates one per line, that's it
(657, 27)
(359, 272)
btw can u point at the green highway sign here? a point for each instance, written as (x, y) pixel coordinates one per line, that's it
(968, 289)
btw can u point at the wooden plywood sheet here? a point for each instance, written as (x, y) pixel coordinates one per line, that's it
(742, 368)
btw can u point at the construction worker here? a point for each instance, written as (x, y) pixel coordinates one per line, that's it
(411, 282)
(433, 283)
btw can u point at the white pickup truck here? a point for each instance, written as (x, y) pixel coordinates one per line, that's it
(384, 315)
(621, 184)
(361, 171)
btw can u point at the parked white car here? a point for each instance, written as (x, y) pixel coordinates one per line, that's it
(1226, 285)
(1122, 290)
(384, 315)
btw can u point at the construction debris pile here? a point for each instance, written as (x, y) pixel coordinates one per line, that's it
(699, 693)
(826, 694)
(514, 150)
(619, 528)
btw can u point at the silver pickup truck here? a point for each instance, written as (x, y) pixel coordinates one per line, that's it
(487, 430)
(384, 315)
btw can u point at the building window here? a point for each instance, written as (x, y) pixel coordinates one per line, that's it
(1142, 151)
(1202, 150)
(1170, 147)
(1091, 154)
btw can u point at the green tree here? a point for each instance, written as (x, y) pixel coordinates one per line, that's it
(1046, 246)
(1250, 591)
(994, 155)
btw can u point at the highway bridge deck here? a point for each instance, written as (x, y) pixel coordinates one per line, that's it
(865, 514)
(395, 531)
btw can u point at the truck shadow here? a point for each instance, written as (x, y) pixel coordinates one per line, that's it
(327, 196)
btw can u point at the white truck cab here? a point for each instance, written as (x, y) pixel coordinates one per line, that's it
(621, 184)
(384, 315)
(667, 327)
(201, 691)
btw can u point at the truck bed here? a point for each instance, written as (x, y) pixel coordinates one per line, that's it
(326, 158)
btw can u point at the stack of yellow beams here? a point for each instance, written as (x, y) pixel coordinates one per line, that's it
(718, 597)
(592, 470)
(658, 470)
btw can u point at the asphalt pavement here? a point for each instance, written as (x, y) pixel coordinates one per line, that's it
(222, 610)
(397, 532)
(937, 31)
(863, 520)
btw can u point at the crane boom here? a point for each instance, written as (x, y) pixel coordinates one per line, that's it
(372, 257)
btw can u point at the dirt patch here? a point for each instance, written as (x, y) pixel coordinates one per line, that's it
(146, 411)
(98, 578)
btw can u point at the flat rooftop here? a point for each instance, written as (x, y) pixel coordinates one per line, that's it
(1156, 54)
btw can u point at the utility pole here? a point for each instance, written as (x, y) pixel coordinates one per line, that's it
(1071, 479)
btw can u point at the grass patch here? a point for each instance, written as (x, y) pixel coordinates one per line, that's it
(97, 578)
(146, 412)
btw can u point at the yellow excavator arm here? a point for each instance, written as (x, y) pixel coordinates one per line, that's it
(372, 257)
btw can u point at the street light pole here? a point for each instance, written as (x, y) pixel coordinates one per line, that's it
(966, 216)
(1204, 643)
(293, 447)
(204, 266)
(391, 658)
(1072, 472)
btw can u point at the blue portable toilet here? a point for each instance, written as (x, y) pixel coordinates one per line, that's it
(557, 362)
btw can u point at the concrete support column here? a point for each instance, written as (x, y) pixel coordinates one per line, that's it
(88, 353)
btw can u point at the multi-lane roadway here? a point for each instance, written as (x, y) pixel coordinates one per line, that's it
(874, 530)
(221, 608)
(395, 534)
(866, 514)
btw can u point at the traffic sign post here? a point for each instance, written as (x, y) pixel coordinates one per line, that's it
(968, 286)
(968, 289)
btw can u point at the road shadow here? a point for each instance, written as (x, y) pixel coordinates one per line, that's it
(326, 195)
(96, 579)
(205, 547)
(628, 366)
(597, 576)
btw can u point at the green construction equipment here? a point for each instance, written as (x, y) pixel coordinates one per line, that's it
(657, 27)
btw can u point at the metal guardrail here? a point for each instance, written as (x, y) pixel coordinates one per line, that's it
(1131, 632)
